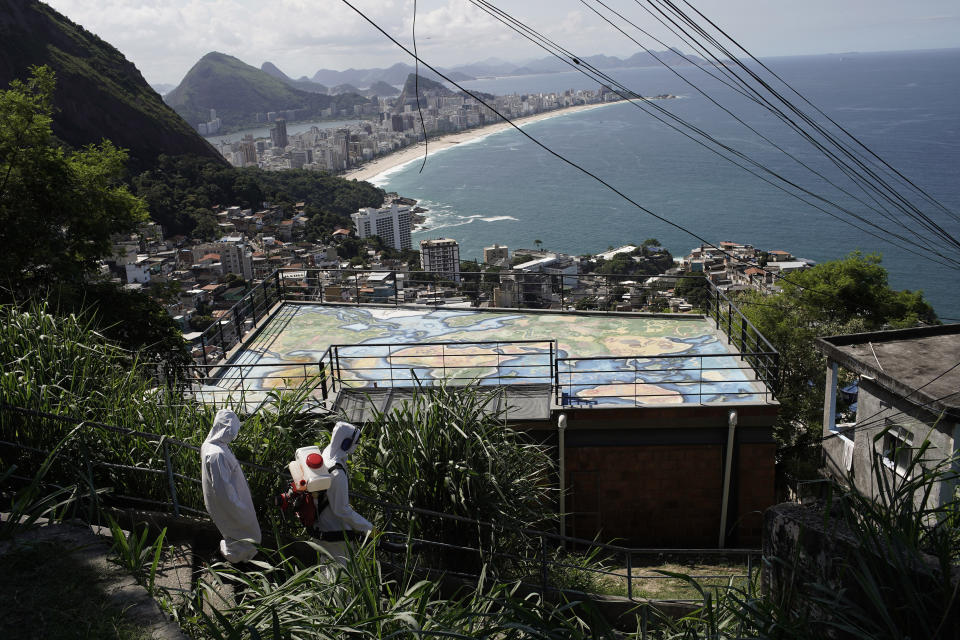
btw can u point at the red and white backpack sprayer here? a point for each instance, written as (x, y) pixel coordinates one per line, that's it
(306, 495)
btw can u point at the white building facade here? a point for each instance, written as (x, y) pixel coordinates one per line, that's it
(442, 256)
(392, 224)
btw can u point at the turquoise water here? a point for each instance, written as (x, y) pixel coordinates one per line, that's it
(504, 189)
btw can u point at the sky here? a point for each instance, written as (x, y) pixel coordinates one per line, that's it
(164, 38)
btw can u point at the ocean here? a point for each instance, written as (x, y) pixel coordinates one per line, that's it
(503, 189)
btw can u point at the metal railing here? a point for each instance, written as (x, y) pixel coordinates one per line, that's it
(537, 558)
(506, 289)
(231, 327)
(416, 363)
(753, 347)
(594, 292)
(639, 380)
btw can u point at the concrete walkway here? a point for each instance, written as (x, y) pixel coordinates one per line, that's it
(88, 549)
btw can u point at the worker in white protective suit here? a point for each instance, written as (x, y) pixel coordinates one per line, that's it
(225, 491)
(337, 521)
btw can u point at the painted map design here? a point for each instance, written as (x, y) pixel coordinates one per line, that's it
(638, 360)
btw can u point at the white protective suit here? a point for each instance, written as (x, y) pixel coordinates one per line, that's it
(339, 516)
(225, 491)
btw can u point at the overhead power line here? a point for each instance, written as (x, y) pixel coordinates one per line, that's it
(573, 164)
(581, 65)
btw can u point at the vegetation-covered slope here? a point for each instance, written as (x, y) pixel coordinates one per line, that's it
(239, 91)
(99, 93)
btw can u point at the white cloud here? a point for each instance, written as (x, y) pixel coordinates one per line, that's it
(164, 38)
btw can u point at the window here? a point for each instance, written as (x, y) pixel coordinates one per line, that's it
(897, 449)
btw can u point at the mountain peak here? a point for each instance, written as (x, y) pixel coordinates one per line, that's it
(100, 94)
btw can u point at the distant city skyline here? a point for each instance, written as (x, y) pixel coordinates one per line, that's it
(164, 38)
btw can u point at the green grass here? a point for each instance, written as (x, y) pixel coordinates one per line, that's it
(442, 452)
(46, 593)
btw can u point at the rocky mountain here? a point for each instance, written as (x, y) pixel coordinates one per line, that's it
(303, 83)
(239, 91)
(397, 73)
(382, 89)
(343, 88)
(99, 94)
(394, 75)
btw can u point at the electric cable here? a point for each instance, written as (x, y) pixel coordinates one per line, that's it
(579, 64)
(872, 419)
(882, 210)
(884, 189)
(927, 196)
(559, 156)
(859, 180)
(416, 83)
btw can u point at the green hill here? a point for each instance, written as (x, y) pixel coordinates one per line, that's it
(239, 91)
(100, 94)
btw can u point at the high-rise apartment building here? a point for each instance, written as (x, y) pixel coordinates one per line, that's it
(392, 224)
(247, 152)
(441, 256)
(278, 134)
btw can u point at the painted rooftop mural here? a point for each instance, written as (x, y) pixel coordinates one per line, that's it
(618, 359)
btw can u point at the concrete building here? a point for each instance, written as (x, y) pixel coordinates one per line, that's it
(907, 393)
(496, 254)
(278, 134)
(248, 152)
(237, 258)
(392, 224)
(441, 255)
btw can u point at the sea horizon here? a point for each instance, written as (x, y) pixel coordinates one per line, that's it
(901, 105)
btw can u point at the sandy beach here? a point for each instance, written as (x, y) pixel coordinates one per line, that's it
(415, 152)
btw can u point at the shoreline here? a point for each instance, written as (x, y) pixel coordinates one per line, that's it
(414, 152)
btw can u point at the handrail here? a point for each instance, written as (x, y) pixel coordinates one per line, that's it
(538, 559)
(743, 318)
(677, 356)
(387, 505)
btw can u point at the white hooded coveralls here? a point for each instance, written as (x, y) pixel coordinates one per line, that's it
(339, 515)
(225, 491)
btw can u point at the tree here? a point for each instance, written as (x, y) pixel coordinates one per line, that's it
(842, 296)
(58, 211)
(58, 208)
(538, 242)
(694, 290)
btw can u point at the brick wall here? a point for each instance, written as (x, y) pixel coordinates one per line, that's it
(648, 496)
(667, 495)
(754, 491)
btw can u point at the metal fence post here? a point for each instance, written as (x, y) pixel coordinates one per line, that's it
(743, 337)
(356, 286)
(729, 318)
(203, 349)
(280, 291)
(220, 329)
(543, 566)
(396, 291)
(170, 478)
(323, 380)
(629, 575)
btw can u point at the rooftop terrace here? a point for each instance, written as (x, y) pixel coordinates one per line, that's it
(543, 359)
